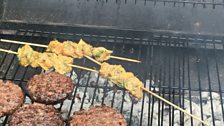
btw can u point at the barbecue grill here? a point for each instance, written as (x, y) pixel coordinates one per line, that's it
(180, 44)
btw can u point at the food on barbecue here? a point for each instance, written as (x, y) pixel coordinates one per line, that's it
(98, 116)
(50, 88)
(101, 54)
(69, 49)
(44, 61)
(59, 62)
(74, 50)
(34, 58)
(127, 80)
(56, 47)
(86, 48)
(27, 56)
(11, 97)
(36, 115)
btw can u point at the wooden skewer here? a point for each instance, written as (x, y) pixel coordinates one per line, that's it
(175, 106)
(84, 68)
(72, 65)
(122, 58)
(90, 58)
(45, 46)
(88, 69)
(8, 51)
(19, 42)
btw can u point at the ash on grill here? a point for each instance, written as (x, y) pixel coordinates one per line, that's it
(108, 97)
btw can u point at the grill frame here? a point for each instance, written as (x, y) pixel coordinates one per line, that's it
(155, 44)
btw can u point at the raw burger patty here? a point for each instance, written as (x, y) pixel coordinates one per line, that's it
(50, 88)
(98, 116)
(11, 97)
(36, 115)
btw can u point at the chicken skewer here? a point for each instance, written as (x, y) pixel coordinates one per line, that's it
(127, 80)
(80, 50)
(46, 61)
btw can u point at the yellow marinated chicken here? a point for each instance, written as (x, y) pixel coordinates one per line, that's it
(35, 57)
(44, 61)
(108, 70)
(132, 84)
(55, 46)
(84, 48)
(101, 54)
(69, 49)
(127, 80)
(27, 56)
(74, 50)
(61, 63)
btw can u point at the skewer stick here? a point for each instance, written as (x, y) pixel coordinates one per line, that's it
(8, 51)
(45, 46)
(175, 106)
(84, 68)
(19, 42)
(75, 66)
(90, 58)
(127, 59)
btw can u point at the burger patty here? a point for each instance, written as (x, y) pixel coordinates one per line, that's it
(36, 115)
(98, 116)
(11, 97)
(50, 88)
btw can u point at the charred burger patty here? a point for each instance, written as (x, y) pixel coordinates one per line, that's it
(50, 88)
(98, 116)
(36, 115)
(11, 97)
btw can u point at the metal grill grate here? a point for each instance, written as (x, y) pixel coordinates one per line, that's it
(176, 66)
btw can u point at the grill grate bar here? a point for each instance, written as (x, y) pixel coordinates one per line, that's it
(85, 90)
(209, 81)
(160, 80)
(189, 84)
(150, 83)
(153, 99)
(73, 98)
(163, 90)
(219, 83)
(181, 83)
(174, 80)
(156, 59)
(95, 89)
(199, 82)
(104, 90)
(169, 83)
(145, 77)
